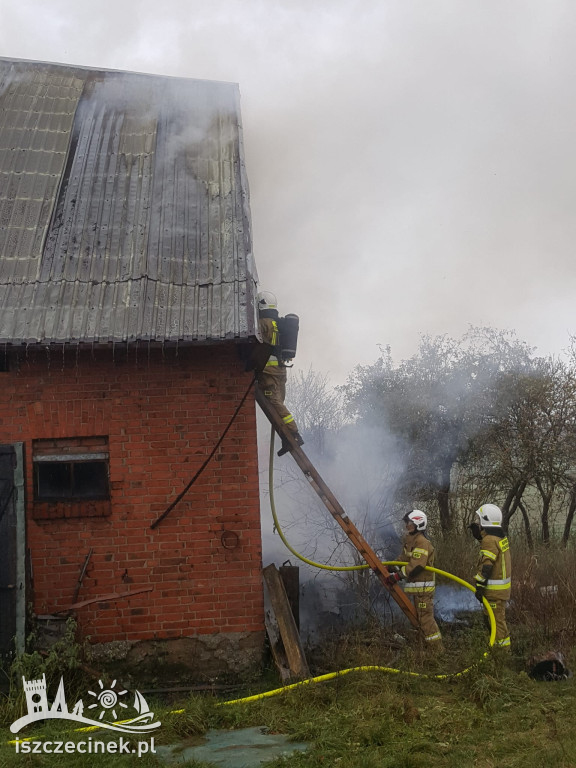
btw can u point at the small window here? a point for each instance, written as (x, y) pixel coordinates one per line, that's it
(72, 471)
(4, 368)
(59, 479)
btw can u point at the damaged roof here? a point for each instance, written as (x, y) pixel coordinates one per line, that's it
(124, 208)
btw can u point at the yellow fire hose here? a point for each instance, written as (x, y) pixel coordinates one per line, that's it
(342, 672)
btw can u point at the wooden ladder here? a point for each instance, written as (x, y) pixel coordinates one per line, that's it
(333, 506)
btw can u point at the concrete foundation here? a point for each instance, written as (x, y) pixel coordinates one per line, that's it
(204, 659)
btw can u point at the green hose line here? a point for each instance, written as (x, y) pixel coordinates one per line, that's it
(342, 672)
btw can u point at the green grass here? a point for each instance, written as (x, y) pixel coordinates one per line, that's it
(493, 716)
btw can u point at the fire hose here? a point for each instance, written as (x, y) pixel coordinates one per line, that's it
(343, 672)
(370, 668)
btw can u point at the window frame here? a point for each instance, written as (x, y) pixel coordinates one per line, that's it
(71, 459)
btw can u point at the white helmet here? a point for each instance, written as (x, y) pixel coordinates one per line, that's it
(490, 516)
(266, 300)
(418, 518)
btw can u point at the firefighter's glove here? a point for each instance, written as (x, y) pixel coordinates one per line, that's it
(393, 579)
(480, 590)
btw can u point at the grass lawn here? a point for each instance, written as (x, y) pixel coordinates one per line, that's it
(493, 716)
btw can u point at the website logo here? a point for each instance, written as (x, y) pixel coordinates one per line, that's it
(105, 708)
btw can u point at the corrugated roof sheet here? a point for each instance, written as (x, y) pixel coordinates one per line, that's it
(124, 208)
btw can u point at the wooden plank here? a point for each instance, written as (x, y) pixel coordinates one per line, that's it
(286, 624)
(105, 599)
(277, 648)
(336, 510)
(290, 575)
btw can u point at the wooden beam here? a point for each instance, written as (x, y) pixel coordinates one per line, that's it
(277, 648)
(290, 575)
(286, 624)
(104, 599)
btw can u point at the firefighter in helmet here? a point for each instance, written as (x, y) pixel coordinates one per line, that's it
(417, 553)
(493, 578)
(272, 376)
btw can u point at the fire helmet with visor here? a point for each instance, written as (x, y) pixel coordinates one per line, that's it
(417, 517)
(490, 516)
(266, 300)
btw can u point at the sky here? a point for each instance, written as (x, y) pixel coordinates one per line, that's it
(411, 162)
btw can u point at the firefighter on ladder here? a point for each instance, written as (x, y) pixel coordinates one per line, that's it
(417, 553)
(272, 376)
(494, 576)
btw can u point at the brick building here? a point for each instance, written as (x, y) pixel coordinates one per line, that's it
(126, 310)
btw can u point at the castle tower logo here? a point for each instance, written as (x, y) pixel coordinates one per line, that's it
(35, 691)
(109, 707)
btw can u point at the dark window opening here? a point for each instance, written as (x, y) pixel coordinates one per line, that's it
(61, 480)
(4, 368)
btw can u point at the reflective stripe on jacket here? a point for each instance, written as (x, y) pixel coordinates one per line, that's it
(495, 551)
(417, 550)
(269, 333)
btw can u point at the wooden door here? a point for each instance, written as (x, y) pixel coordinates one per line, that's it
(12, 550)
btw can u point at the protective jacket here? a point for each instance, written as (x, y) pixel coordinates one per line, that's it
(417, 553)
(494, 567)
(269, 332)
(272, 372)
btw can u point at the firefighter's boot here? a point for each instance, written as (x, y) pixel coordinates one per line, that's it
(286, 447)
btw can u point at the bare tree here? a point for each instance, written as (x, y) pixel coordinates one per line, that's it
(436, 403)
(317, 406)
(529, 447)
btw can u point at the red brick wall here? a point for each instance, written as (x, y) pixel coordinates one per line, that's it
(163, 411)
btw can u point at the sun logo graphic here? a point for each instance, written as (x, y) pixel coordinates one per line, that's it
(108, 700)
(111, 712)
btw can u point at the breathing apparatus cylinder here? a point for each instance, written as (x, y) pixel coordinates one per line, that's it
(288, 331)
